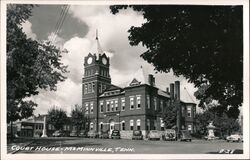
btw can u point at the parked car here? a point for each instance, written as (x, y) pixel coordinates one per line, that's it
(92, 134)
(185, 136)
(137, 134)
(115, 134)
(83, 133)
(57, 133)
(104, 134)
(235, 138)
(169, 135)
(73, 133)
(154, 135)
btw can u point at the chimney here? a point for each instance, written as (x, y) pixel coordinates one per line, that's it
(172, 91)
(177, 90)
(167, 90)
(151, 80)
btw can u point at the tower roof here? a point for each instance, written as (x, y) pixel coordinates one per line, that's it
(186, 96)
(98, 46)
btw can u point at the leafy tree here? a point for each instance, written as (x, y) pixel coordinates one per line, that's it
(169, 116)
(78, 117)
(57, 118)
(224, 124)
(202, 43)
(31, 65)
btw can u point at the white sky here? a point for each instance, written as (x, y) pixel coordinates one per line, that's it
(113, 36)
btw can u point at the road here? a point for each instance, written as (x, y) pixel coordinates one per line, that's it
(123, 146)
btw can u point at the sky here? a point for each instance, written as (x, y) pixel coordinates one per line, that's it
(77, 35)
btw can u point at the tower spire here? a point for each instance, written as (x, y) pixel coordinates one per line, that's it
(99, 48)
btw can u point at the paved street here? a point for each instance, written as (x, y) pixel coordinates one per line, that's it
(123, 146)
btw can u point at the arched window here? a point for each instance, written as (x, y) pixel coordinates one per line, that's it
(91, 126)
(101, 126)
(131, 124)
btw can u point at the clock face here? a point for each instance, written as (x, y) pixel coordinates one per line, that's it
(104, 60)
(90, 60)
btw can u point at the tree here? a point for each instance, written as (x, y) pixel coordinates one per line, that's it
(202, 43)
(78, 117)
(224, 124)
(57, 118)
(169, 116)
(31, 65)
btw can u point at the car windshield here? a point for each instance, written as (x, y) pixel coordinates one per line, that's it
(154, 131)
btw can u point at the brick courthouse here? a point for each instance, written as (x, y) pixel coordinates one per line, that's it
(139, 105)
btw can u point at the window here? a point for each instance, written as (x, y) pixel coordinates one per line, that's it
(162, 124)
(112, 106)
(93, 86)
(131, 125)
(91, 108)
(50, 127)
(90, 87)
(64, 127)
(123, 104)
(123, 125)
(138, 124)
(148, 101)
(154, 125)
(85, 88)
(108, 107)
(103, 87)
(101, 126)
(189, 114)
(138, 101)
(101, 107)
(148, 124)
(116, 105)
(161, 105)
(189, 127)
(131, 103)
(155, 103)
(100, 88)
(91, 126)
(86, 108)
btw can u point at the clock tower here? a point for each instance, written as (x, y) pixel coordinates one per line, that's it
(95, 80)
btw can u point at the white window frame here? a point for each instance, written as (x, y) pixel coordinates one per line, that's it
(131, 103)
(189, 127)
(112, 106)
(108, 106)
(91, 107)
(93, 87)
(116, 105)
(138, 101)
(123, 122)
(138, 124)
(155, 103)
(86, 108)
(91, 126)
(101, 107)
(189, 110)
(131, 124)
(123, 105)
(148, 101)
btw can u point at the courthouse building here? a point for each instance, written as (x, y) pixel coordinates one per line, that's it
(137, 106)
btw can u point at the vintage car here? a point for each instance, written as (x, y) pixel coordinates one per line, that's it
(169, 135)
(57, 133)
(185, 136)
(235, 138)
(137, 134)
(154, 135)
(83, 133)
(73, 133)
(92, 134)
(115, 134)
(104, 134)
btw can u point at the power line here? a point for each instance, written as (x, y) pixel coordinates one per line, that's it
(60, 22)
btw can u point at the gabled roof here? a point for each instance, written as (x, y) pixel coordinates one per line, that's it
(139, 77)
